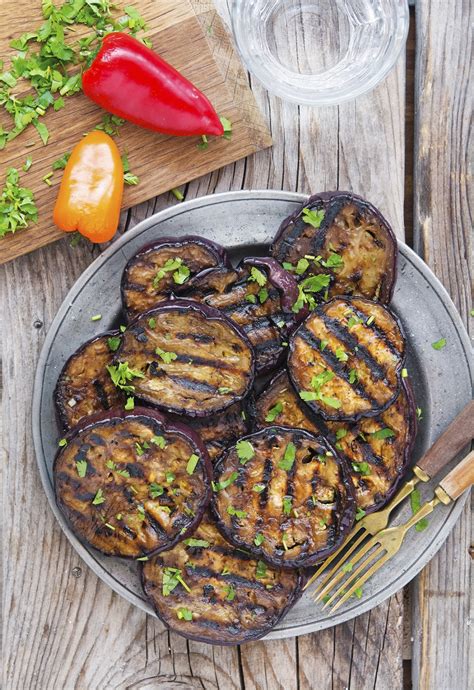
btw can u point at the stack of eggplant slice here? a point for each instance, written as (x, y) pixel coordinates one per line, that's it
(182, 452)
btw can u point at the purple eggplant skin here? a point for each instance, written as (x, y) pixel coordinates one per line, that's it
(322, 507)
(208, 391)
(116, 525)
(137, 291)
(374, 348)
(91, 393)
(378, 256)
(229, 603)
(263, 312)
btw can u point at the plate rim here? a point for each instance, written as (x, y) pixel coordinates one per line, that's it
(360, 606)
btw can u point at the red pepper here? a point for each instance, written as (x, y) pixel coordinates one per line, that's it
(131, 81)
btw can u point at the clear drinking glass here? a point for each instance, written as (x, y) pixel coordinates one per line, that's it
(320, 52)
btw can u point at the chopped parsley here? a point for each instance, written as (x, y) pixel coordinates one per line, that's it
(17, 204)
(251, 298)
(245, 451)
(287, 504)
(334, 261)
(404, 373)
(353, 377)
(128, 177)
(113, 343)
(323, 345)
(152, 322)
(353, 320)
(286, 463)
(363, 468)
(383, 433)
(176, 266)
(197, 543)
(81, 467)
(170, 477)
(415, 503)
(358, 593)
(359, 514)
(314, 218)
(419, 413)
(262, 295)
(258, 488)
(439, 344)
(370, 320)
(341, 354)
(27, 164)
(130, 404)
(317, 382)
(96, 317)
(219, 486)
(177, 193)
(224, 390)
(230, 593)
(340, 433)
(306, 289)
(159, 441)
(110, 125)
(60, 163)
(156, 490)
(237, 513)
(122, 374)
(257, 276)
(167, 357)
(192, 463)
(259, 539)
(99, 498)
(171, 579)
(62, 443)
(203, 144)
(261, 570)
(273, 412)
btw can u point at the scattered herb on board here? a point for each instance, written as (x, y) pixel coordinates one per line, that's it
(227, 125)
(128, 177)
(17, 205)
(110, 124)
(177, 193)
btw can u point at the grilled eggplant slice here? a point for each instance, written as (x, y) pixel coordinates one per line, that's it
(221, 430)
(284, 495)
(258, 296)
(207, 590)
(190, 358)
(341, 235)
(132, 484)
(345, 360)
(377, 449)
(160, 269)
(84, 387)
(279, 404)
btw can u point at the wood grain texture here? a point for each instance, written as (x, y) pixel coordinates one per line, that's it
(63, 628)
(443, 236)
(196, 44)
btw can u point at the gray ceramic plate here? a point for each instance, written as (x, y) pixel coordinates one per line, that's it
(245, 222)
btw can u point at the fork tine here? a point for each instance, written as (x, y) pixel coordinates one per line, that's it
(330, 558)
(372, 542)
(373, 569)
(333, 571)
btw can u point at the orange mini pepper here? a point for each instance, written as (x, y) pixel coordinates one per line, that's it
(91, 190)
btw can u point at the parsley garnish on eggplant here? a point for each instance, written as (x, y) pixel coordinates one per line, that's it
(213, 365)
(341, 234)
(232, 596)
(304, 481)
(126, 495)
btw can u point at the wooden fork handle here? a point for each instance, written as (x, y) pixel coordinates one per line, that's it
(460, 478)
(458, 434)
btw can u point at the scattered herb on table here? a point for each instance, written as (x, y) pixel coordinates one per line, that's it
(439, 344)
(17, 205)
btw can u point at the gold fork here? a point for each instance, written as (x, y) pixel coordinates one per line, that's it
(452, 440)
(388, 541)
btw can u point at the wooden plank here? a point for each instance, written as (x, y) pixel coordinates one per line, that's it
(160, 161)
(76, 633)
(443, 223)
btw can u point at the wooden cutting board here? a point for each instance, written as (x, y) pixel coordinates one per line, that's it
(190, 35)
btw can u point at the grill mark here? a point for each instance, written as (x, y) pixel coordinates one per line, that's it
(233, 578)
(266, 345)
(242, 307)
(336, 366)
(101, 393)
(155, 525)
(193, 385)
(380, 333)
(336, 329)
(266, 479)
(204, 362)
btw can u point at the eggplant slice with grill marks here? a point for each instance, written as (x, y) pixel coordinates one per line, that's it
(345, 360)
(284, 495)
(345, 237)
(132, 484)
(377, 449)
(221, 430)
(207, 590)
(158, 270)
(258, 296)
(84, 386)
(190, 359)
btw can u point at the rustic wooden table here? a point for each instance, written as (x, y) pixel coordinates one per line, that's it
(404, 147)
